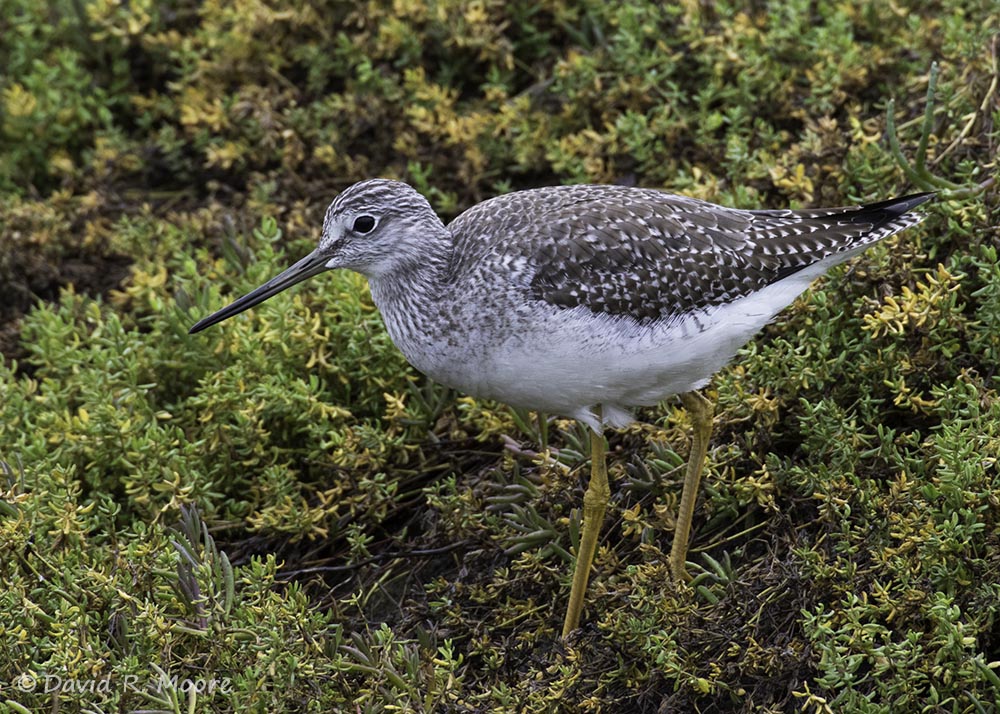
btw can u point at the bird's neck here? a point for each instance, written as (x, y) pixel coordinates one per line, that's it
(416, 268)
(409, 295)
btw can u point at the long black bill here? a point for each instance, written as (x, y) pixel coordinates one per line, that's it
(311, 265)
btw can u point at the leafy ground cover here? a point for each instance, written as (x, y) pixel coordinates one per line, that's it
(282, 516)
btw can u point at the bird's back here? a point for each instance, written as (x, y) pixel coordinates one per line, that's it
(649, 255)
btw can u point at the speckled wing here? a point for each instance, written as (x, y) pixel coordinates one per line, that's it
(652, 256)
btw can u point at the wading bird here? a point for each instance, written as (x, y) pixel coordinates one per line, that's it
(583, 301)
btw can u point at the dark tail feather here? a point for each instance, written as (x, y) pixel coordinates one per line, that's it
(878, 214)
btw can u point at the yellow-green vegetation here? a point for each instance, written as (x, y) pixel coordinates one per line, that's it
(280, 515)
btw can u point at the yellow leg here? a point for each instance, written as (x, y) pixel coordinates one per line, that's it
(701, 412)
(595, 500)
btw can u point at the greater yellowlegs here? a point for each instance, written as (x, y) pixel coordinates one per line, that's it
(583, 301)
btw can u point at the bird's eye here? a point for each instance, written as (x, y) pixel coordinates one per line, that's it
(363, 224)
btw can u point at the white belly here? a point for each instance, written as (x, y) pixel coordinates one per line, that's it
(566, 361)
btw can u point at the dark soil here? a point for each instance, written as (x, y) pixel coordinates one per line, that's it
(32, 279)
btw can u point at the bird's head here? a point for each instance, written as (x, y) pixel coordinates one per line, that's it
(376, 227)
